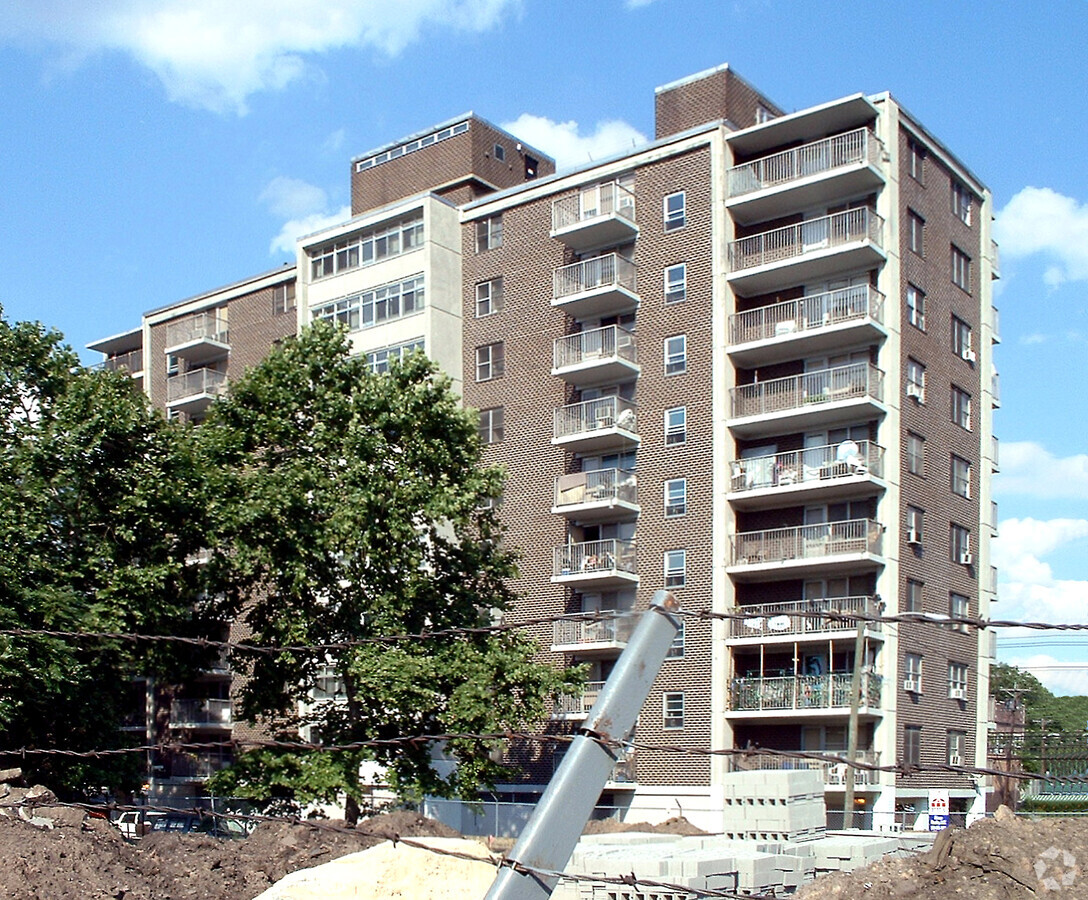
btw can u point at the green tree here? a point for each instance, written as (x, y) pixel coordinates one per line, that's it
(352, 507)
(101, 504)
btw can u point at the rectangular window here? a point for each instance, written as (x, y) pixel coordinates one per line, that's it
(959, 607)
(173, 364)
(916, 380)
(961, 269)
(676, 425)
(912, 744)
(672, 710)
(961, 477)
(916, 161)
(957, 681)
(915, 522)
(675, 211)
(488, 297)
(676, 565)
(488, 233)
(375, 306)
(959, 544)
(961, 203)
(961, 339)
(491, 425)
(676, 354)
(912, 600)
(676, 648)
(961, 407)
(676, 283)
(283, 298)
(380, 360)
(912, 673)
(916, 454)
(957, 748)
(490, 361)
(500, 153)
(366, 248)
(916, 307)
(676, 497)
(915, 232)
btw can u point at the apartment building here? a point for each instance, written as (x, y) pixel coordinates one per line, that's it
(750, 362)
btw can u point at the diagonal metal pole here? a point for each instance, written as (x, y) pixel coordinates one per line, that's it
(550, 835)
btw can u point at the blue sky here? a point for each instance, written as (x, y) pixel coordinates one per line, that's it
(153, 151)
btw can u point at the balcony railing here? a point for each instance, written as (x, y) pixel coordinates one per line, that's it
(591, 415)
(597, 344)
(801, 692)
(808, 542)
(996, 324)
(193, 765)
(613, 629)
(593, 203)
(784, 320)
(809, 465)
(801, 617)
(195, 383)
(609, 271)
(857, 146)
(133, 361)
(809, 236)
(595, 557)
(796, 391)
(996, 453)
(200, 712)
(834, 772)
(600, 486)
(205, 326)
(579, 704)
(995, 259)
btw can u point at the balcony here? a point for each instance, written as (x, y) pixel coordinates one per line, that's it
(181, 766)
(608, 634)
(192, 392)
(578, 706)
(599, 356)
(607, 563)
(802, 693)
(131, 363)
(596, 424)
(996, 325)
(199, 338)
(208, 713)
(834, 772)
(995, 389)
(813, 174)
(833, 471)
(767, 622)
(598, 496)
(853, 545)
(807, 326)
(595, 287)
(602, 215)
(995, 459)
(813, 250)
(995, 260)
(802, 402)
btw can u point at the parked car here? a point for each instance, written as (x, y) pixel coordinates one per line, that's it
(200, 823)
(135, 823)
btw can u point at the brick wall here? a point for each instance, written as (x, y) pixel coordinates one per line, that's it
(718, 95)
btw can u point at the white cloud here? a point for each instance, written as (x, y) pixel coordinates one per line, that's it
(284, 242)
(1062, 677)
(1040, 220)
(304, 206)
(215, 55)
(635, 4)
(1029, 468)
(562, 140)
(1028, 590)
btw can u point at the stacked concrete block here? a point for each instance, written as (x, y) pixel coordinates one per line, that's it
(774, 805)
(846, 852)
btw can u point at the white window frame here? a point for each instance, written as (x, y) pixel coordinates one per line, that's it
(676, 434)
(916, 454)
(916, 520)
(492, 424)
(676, 648)
(489, 233)
(283, 298)
(959, 607)
(676, 283)
(916, 378)
(913, 665)
(961, 202)
(916, 307)
(956, 745)
(961, 269)
(674, 210)
(672, 710)
(960, 476)
(961, 408)
(379, 360)
(959, 544)
(676, 497)
(961, 339)
(676, 568)
(489, 298)
(490, 361)
(676, 354)
(958, 680)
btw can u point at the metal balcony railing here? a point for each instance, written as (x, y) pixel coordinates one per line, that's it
(592, 203)
(595, 557)
(859, 145)
(807, 542)
(193, 765)
(609, 271)
(200, 712)
(792, 317)
(204, 326)
(834, 772)
(610, 342)
(801, 692)
(796, 391)
(810, 236)
(194, 383)
(133, 361)
(996, 323)
(996, 452)
(801, 617)
(995, 258)
(579, 704)
(600, 486)
(811, 464)
(610, 629)
(590, 415)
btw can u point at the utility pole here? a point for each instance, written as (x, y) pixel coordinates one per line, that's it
(852, 730)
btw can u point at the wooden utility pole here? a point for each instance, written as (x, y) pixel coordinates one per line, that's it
(852, 731)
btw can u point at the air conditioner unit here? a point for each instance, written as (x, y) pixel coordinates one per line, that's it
(914, 685)
(966, 558)
(969, 355)
(954, 759)
(917, 392)
(957, 694)
(913, 537)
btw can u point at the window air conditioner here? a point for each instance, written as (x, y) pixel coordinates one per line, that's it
(966, 558)
(957, 694)
(913, 685)
(954, 759)
(913, 537)
(917, 392)
(969, 355)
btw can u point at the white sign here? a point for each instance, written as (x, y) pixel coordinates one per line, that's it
(938, 809)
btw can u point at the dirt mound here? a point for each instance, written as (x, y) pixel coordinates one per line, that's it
(676, 825)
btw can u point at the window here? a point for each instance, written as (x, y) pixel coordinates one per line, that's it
(676, 497)
(961, 407)
(366, 248)
(676, 354)
(675, 211)
(375, 306)
(490, 361)
(912, 744)
(283, 298)
(961, 477)
(675, 568)
(916, 161)
(676, 648)
(912, 600)
(916, 380)
(959, 543)
(912, 673)
(961, 268)
(531, 166)
(411, 146)
(959, 607)
(379, 360)
(676, 283)
(961, 339)
(916, 454)
(488, 233)
(676, 425)
(672, 710)
(961, 203)
(488, 297)
(915, 228)
(500, 153)
(491, 425)
(915, 521)
(957, 747)
(916, 307)
(957, 681)
(763, 114)
(173, 364)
